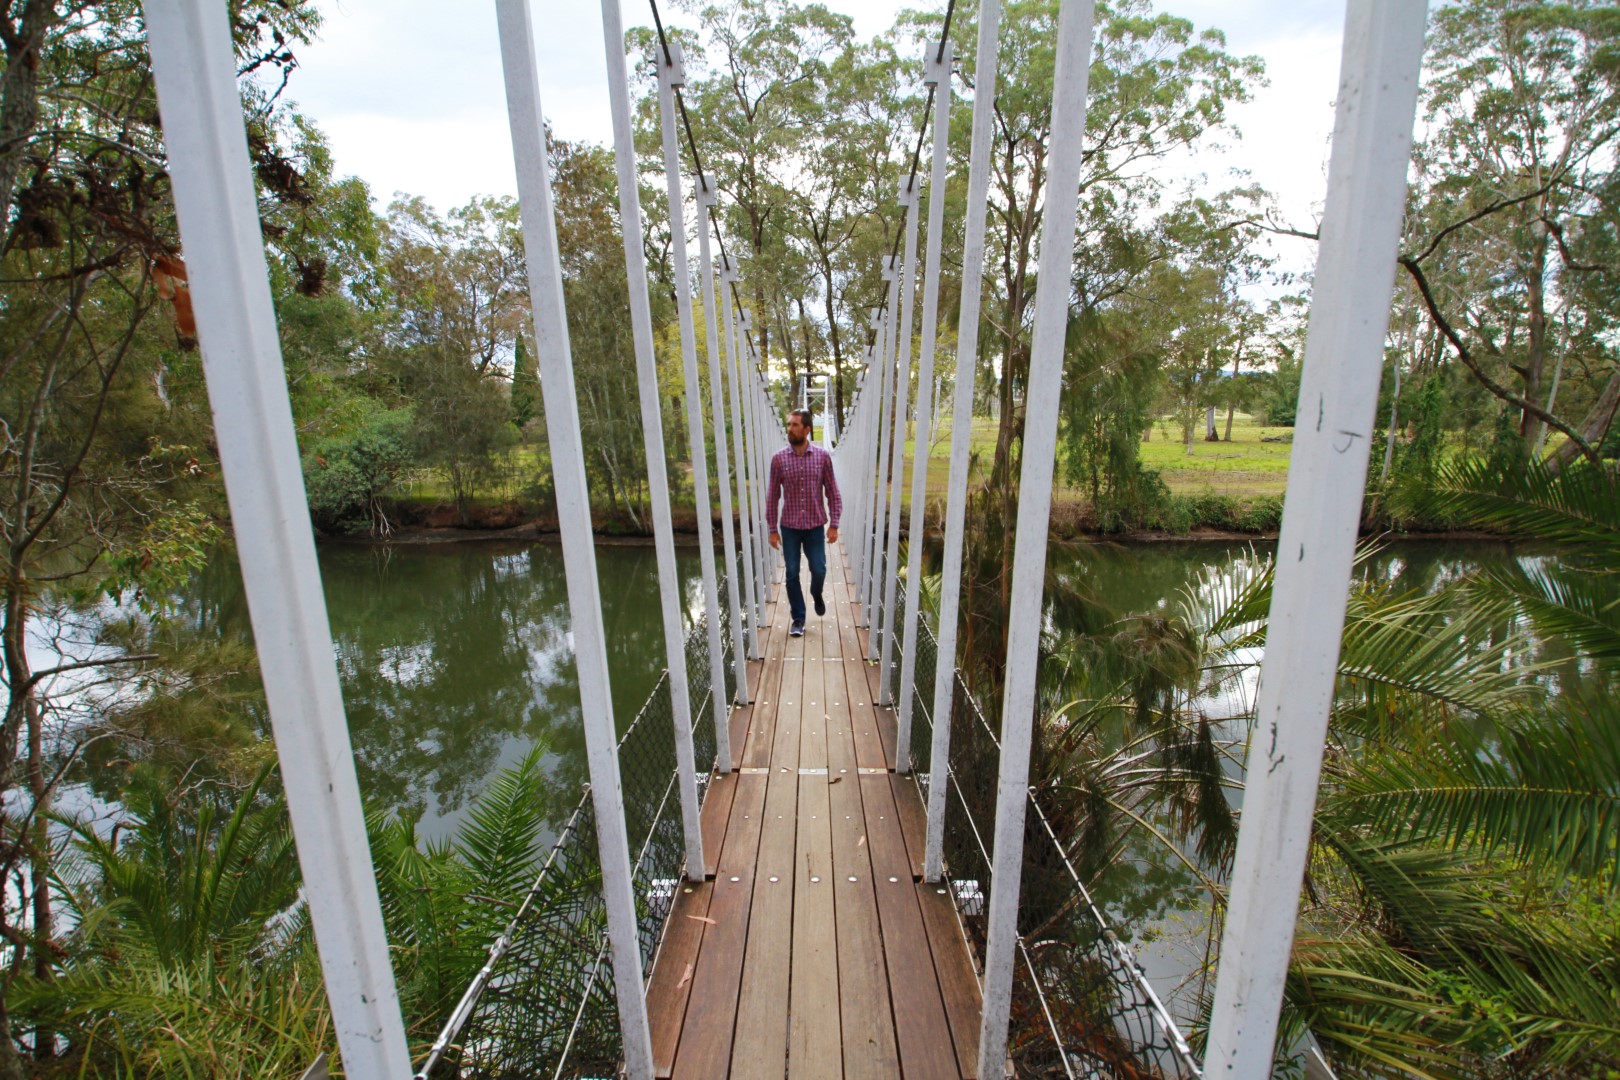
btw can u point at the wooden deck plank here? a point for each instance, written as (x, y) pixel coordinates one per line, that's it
(908, 804)
(767, 699)
(742, 715)
(868, 742)
(671, 982)
(921, 1026)
(870, 1052)
(814, 1036)
(759, 1048)
(705, 1043)
(864, 979)
(715, 819)
(958, 983)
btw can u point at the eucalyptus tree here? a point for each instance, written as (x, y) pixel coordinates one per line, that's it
(757, 103)
(1158, 87)
(1512, 242)
(104, 432)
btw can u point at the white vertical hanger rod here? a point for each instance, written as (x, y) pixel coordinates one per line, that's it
(728, 276)
(936, 73)
(722, 468)
(1338, 396)
(967, 350)
(880, 505)
(203, 131)
(574, 517)
(906, 280)
(671, 74)
(1025, 615)
(652, 432)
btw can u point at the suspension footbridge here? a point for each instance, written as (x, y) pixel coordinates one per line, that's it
(805, 856)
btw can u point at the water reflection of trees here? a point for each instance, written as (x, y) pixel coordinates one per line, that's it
(456, 659)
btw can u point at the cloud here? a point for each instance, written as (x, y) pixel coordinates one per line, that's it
(410, 94)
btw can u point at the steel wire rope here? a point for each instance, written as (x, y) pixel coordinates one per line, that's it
(697, 158)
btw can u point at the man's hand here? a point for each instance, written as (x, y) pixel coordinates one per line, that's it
(832, 535)
(776, 540)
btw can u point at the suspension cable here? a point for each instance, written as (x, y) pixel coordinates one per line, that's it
(703, 183)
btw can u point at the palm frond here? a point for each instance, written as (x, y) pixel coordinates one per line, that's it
(1576, 506)
(1543, 786)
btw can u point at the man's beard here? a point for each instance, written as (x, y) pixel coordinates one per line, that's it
(800, 441)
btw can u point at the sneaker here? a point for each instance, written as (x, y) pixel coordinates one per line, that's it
(821, 605)
(796, 630)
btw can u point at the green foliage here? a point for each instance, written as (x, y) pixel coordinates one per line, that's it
(347, 477)
(190, 953)
(525, 384)
(1279, 396)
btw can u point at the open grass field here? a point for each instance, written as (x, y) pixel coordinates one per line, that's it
(1246, 466)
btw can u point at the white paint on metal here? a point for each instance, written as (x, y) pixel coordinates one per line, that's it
(885, 444)
(906, 280)
(1025, 615)
(936, 73)
(201, 107)
(728, 276)
(1344, 353)
(574, 519)
(714, 304)
(967, 349)
(652, 432)
(672, 73)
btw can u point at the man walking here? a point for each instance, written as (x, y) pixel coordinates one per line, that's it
(801, 472)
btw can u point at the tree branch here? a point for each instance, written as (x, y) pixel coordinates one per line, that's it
(40, 676)
(1463, 354)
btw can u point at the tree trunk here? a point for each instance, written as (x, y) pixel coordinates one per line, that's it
(1535, 359)
(1389, 435)
(1210, 434)
(1593, 428)
(19, 93)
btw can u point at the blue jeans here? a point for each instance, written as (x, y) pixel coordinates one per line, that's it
(814, 544)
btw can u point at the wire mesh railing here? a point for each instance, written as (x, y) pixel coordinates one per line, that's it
(1082, 1005)
(544, 1003)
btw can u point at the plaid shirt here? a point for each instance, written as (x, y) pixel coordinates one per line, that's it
(797, 480)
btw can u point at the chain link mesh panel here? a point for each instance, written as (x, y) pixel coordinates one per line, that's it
(1082, 1006)
(548, 1007)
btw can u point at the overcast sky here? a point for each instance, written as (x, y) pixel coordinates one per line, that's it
(410, 95)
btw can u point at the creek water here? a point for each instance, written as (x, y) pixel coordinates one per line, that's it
(455, 660)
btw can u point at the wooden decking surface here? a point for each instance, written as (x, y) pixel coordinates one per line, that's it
(814, 949)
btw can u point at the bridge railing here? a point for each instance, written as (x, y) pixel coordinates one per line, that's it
(1082, 1005)
(543, 1005)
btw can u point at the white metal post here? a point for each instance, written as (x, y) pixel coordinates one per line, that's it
(890, 436)
(574, 518)
(936, 73)
(869, 459)
(880, 443)
(652, 433)
(906, 280)
(967, 351)
(756, 492)
(1344, 353)
(671, 74)
(728, 276)
(1025, 615)
(722, 468)
(853, 481)
(195, 70)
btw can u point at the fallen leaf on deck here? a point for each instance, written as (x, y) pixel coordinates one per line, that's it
(701, 919)
(861, 842)
(686, 977)
(834, 780)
